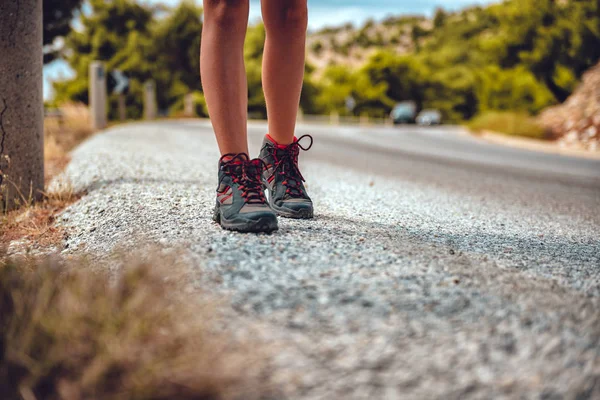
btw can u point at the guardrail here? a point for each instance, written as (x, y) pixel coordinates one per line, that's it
(55, 113)
(336, 119)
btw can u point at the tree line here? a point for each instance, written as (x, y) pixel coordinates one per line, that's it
(518, 55)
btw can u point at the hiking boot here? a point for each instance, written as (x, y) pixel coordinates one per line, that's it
(282, 178)
(241, 202)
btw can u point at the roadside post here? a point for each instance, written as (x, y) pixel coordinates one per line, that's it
(21, 103)
(334, 118)
(122, 108)
(350, 104)
(98, 96)
(150, 100)
(118, 84)
(364, 119)
(188, 105)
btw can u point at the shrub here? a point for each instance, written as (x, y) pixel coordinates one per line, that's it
(317, 47)
(509, 123)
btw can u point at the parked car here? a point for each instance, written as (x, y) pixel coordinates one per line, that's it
(429, 117)
(404, 113)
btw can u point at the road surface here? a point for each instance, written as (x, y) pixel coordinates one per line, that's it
(438, 265)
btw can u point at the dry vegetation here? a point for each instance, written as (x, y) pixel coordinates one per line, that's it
(62, 134)
(352, 46)
(32, 224)
(510, 123)
(67, 332)
(70, 330)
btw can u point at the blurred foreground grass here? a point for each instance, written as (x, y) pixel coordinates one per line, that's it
(509, 123)
(68, 331)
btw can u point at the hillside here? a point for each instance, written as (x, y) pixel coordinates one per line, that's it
(577, 121)
(514, 55)
(353, 46)
(517, 55)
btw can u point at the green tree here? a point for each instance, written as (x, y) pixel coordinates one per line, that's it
(404, 77)
(417, 33)
(176, 49)
(439, 19)
(546, 35)
(340, 82)
(129, 37)
(118, 33)
(253, 55)
(57, 17)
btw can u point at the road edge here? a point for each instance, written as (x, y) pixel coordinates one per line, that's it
(534, 145)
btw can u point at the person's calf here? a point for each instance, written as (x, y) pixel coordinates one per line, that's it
(283, 64)
(226, 14)
(222, 71)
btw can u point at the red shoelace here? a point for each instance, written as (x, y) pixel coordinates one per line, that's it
(247, 174)
(286, 164)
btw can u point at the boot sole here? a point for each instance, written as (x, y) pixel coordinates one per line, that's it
(261, 225)
(302, 214)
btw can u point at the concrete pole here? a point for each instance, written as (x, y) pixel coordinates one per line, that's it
(364, 119)
(188, 106)
(150, 100)
(97, 95)
(334, 118)
(21, 103)
(122, 108)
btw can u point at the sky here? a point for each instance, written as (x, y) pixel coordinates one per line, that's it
(321, 13)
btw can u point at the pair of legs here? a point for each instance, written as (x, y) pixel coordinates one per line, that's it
(224, 74)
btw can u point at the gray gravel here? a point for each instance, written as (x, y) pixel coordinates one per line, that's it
(418, 278)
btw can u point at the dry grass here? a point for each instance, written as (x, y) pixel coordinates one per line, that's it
(509, 123)
(69, 333)
(61, 135)
(33, 223)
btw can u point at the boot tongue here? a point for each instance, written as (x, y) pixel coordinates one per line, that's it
(253, 169)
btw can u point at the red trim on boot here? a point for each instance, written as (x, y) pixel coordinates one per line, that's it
(279, 146)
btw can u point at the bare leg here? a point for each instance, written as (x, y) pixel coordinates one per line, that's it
(223, 71)
(283, 64)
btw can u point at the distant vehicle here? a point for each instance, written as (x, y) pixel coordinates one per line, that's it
(429, 117)
(404, 113)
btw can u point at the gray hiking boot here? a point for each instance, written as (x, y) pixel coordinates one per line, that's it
(241, 203)
(282, 178)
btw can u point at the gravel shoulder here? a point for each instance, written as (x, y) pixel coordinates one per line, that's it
(414, 281)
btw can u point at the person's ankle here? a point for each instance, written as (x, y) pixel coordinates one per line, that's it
(230, 156)
(280, 143)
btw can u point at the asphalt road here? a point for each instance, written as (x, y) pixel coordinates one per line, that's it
(438, 265)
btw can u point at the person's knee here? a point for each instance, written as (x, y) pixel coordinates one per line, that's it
(296, 14)
(293, 16)
(226, 13)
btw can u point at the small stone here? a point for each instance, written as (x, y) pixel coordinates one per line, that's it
(367, 303)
